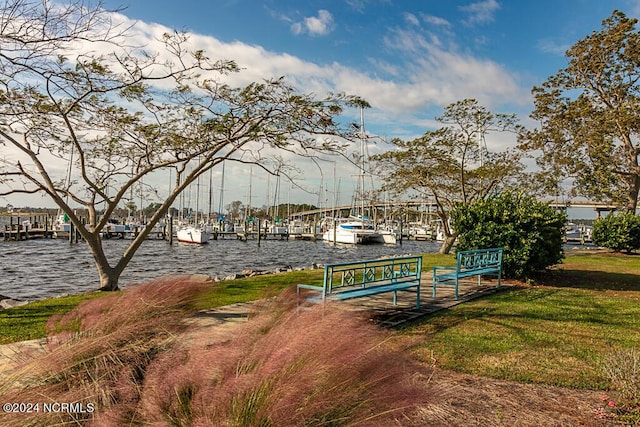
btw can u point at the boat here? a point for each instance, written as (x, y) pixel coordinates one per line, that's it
(192, 234)
(578, 233)
(388, 237)
(421, 232)
(358, 229)
(354, 231)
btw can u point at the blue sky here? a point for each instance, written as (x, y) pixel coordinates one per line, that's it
(409, 59)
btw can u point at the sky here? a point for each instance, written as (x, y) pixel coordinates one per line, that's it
(408, 59)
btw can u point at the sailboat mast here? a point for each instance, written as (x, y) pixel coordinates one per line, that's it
(221, 192)
(197, 199)
(247, 213)
(362, 153)
(210, 195)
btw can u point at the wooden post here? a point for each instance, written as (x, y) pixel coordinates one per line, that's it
(259, 230)
(169, 226)
(335, 231)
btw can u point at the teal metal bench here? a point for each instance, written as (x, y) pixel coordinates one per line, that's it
(364, 278)
(479, 262)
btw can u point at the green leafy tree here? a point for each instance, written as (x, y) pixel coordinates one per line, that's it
(119, 117)
(588, 115)
(151, 208)
(530, 232)
(234, 208)
(451, 164)
(618, 232)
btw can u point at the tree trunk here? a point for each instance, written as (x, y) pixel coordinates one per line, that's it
(634, 190)
(108, 278)
(449, 240)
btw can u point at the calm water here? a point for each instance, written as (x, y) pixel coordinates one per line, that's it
(42, 268)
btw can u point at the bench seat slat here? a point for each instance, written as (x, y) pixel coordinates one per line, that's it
(468, 273)
(373, 290)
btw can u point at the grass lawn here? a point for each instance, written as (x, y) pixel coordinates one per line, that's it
(556, 332)
(29, 321)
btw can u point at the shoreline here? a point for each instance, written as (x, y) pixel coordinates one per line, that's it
(16, 302)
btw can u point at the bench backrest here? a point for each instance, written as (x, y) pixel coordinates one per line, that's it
(363, 273)
(479, 258)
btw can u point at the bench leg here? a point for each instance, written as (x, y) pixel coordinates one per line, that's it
(395, 297)
(456, 287)
(479, 279)
(418, 297)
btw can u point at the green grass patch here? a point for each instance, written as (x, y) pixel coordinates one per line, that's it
(256, 287)
(29, 321)
(595, 270)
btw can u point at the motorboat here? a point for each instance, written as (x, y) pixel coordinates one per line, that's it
(354, 231)
(578, 233)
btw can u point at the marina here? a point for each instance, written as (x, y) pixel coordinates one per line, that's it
(34, 266)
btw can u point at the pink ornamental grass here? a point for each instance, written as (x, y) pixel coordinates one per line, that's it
(320, 367)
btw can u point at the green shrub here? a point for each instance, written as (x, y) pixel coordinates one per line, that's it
(529, 231)
(618, 232)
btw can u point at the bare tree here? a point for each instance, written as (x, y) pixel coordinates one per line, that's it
(119, 117)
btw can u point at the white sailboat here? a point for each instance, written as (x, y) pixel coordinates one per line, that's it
(359, 229)
(194, 232)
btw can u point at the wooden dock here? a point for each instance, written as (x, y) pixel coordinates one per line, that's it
(20, 232)
(251, 235)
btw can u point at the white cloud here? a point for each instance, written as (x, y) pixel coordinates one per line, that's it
(429, 74)
(553, 47)
(481, 12)
(439, 74)
(411, 19)
(319, 25)
(435, 20)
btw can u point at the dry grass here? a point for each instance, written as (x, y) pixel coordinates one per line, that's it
(320, 367)
(104, 348)
(622, 366)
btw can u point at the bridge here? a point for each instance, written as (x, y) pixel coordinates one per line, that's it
(425, 207)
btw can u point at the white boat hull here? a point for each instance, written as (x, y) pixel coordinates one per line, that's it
(192, 235)
(356, 233)
(388, 237)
